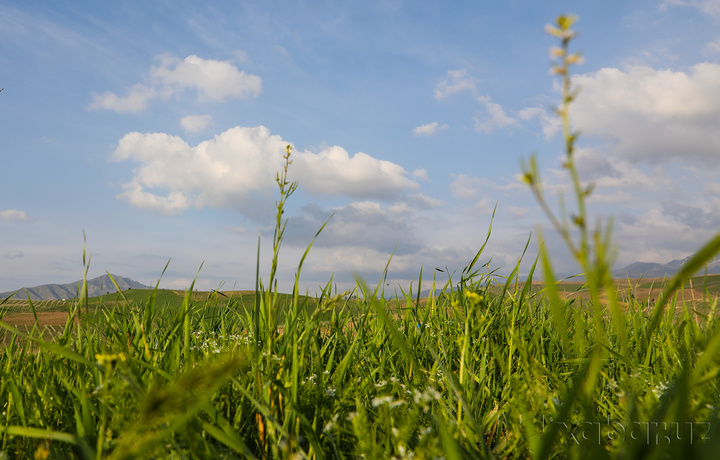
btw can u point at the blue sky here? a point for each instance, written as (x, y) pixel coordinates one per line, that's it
(156, 128)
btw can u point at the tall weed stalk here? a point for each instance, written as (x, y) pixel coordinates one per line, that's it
(621, 350)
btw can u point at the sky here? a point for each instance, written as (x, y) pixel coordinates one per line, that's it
(151, 132)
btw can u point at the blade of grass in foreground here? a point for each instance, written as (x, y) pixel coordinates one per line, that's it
(50, 346)
(39, 433)
(702, 257)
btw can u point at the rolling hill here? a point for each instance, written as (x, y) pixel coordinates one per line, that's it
(655, 270)
(96, 286)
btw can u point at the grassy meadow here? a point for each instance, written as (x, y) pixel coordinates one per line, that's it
(483, 367)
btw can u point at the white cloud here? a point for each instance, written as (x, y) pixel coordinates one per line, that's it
(237, 168)
(551, 124)
(709, 7)
(195, 123)
(214, 80)
(495, 119)
(655, 115)
(464, 186)
(135, 100)
(456, 81)
(13, 255)
(333, 172)
(467, 187)
(12, 215)
(421, 174)
(713, 46)
(424, 202)
(518, 212)
(360, 224)
(429, 129)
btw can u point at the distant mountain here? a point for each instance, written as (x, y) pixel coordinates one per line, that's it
(654, 270)
(96, 286)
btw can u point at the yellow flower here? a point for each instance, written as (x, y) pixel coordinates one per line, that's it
(474, 297)
(42, 452)
(110, 358)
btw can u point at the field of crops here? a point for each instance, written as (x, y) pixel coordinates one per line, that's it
(485, 370)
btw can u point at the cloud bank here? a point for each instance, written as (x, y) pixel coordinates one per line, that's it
(213, 80)
(643, 114)
(236, 168)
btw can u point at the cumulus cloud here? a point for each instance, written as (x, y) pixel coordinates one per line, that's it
(13, 216)
(238, 167)
(495, 117)
(136, 100)
(666, 230)
(713, 46)
(333, 171)
(550, 123)
(421, 174)
(429, 129)
(212, 79)
(195, 123)
(360, 224)
(424, 202)
(456, 81)
(645, 114)
(465, 187)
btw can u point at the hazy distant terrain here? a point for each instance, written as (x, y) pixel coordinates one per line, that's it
(96, 286)
(103, 285)
(655, 270)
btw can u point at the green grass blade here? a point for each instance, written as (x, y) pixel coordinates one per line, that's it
(39, 433)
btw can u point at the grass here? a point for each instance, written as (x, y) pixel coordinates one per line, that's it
(482, 368)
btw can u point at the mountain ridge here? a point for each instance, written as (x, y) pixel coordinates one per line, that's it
(96, 286)
(656, 270)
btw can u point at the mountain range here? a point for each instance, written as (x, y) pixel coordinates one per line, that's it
(655, 270)
(103, 284)
(96, 286)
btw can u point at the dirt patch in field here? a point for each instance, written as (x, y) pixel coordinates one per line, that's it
(52, 323)
(26, 320)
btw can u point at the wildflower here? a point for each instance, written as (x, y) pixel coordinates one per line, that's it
(526, 178)
(380, 400)
(110, 358)
(659, 389)
(331, 424)
(42, 452)
(474, 297)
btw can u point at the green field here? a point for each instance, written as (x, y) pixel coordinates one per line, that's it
(483, 367)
